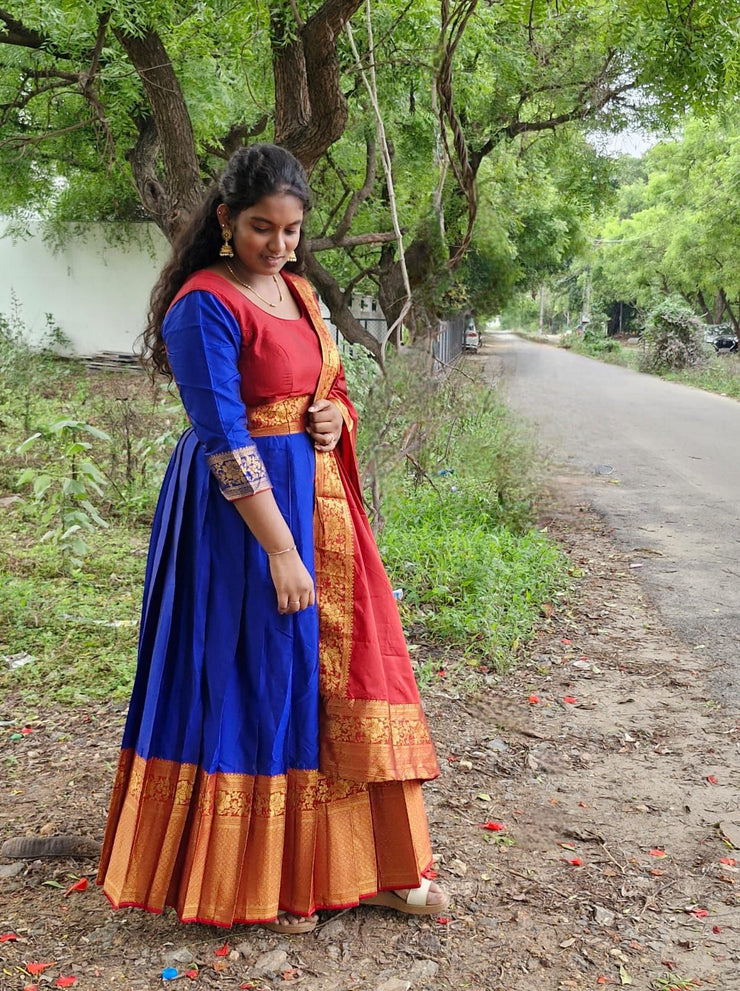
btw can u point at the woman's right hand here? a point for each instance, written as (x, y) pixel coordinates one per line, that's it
(292, 581)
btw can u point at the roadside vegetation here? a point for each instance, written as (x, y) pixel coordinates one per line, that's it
(660, 265)
(451, 481)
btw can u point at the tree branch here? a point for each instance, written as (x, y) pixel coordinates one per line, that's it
(310, 108)
(337, 301)
(17, 33)
(172, 200)
(352, 241)
(360, 195)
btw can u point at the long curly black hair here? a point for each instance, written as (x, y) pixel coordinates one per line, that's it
(254, 172)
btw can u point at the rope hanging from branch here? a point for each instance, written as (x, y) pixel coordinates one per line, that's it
(370, 82)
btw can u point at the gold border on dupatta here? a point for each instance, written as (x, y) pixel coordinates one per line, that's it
(334, 533)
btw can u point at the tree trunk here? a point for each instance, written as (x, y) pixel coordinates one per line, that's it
(310, 107)
(341, 314)
(167, 136)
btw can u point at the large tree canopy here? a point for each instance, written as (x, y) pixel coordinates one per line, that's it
(677, 228)
(114, 109)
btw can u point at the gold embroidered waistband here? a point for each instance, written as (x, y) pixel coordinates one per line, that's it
(286, 416)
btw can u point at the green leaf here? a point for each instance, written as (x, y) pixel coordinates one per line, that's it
(73, 487)
(28, 442)
(93, 513)
(41, 485)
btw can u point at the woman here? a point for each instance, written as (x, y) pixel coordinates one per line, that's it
(275, 745)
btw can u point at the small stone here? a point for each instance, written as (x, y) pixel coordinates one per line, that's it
(271, 962)
(10, 870)
(244, 949)
(105, 935)
(331, 930)
(603, 916)
(465, 765)
(183, 955)
(457, 867)
(394, 984)
(423, 970)
(234, 955)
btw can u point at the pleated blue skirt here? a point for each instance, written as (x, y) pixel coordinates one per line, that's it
(223, 680)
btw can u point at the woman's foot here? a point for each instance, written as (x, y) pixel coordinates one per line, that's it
(291, 925)
(427, 899)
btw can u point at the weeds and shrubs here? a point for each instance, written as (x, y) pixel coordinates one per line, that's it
(720, 374)
(27, 364)
(66, 484)
(593, 341)
(672, 338)
(448, 471)
(469, 581)
(454, 479)
(415, 430)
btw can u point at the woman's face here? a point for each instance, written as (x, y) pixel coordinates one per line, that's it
(265, 234)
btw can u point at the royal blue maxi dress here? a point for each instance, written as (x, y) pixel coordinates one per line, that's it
(223, 806)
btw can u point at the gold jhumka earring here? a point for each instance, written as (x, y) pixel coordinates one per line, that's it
(226, 250)
(292, 257)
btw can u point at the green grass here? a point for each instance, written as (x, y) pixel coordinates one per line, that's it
(80, 627)
(721, 374)
(469, 582)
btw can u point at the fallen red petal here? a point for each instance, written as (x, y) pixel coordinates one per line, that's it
(65, 982)
(565, 640)
(494, 827)
(80, 885)
(570, 699)
(576, 861)
(656, 872)
(712, 780)
(26, 730)
(533, 699)
(222, 951)
(452, 758)
(30, 987)
(192, 974)
(443, 920)
(8, 938)
(37, 968)
(716, 930)
(730, 861)
(699, 913)
(430, 874)
(657, 853)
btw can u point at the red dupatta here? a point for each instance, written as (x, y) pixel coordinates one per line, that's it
(372, 725)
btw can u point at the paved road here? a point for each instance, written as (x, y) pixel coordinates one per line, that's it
(661, 462)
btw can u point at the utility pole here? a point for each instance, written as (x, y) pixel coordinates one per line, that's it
(542, 308)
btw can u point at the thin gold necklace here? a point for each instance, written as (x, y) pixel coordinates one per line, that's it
(252, 289)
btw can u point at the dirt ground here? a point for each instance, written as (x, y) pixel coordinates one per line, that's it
(604, 757)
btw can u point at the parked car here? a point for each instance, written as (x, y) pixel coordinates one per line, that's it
(471, 340)
(722, 337)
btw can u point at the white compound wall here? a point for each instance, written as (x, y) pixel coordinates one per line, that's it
(96, 287)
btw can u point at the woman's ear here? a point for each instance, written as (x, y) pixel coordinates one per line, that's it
(224, 215)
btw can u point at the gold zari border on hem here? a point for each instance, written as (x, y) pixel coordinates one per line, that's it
(224, 848)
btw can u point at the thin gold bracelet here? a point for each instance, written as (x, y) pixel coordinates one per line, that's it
(286, 550)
